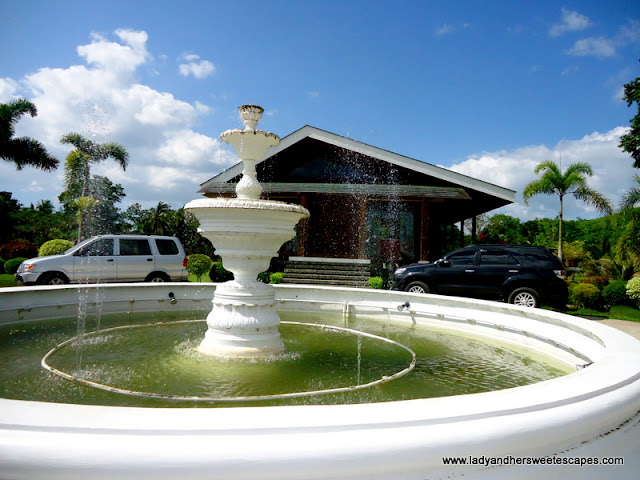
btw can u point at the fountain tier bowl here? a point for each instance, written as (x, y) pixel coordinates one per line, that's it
(590, 414)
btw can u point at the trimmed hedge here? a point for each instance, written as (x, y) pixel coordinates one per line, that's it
(54, 247)
(615, 293)
(198, 264)
(584, 295)
(18, 248)
(219, 274)
(276, 277)
(633, 289)
(11, 265)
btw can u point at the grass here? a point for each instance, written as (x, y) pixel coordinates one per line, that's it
(623, 312)
(7, 280)
(204, 278)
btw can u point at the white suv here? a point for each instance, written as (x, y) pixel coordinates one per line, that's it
(110, 258)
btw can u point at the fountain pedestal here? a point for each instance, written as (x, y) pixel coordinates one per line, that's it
(247, 233)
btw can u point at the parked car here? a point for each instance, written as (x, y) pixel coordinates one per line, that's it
(522, 275)
(110, 258)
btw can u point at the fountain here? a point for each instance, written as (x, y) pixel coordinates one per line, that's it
(555, 427)
(247, 233)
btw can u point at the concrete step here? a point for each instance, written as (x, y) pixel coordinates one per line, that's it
(327, 273)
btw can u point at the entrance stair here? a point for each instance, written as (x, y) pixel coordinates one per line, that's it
(327, 271)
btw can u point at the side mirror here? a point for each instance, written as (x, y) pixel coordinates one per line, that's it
(444, 263)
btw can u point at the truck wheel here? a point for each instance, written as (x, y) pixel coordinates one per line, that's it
(417, 287)
(157, 278)
(525, 297)
(52, 278)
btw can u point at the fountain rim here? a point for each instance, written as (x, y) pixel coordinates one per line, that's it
(247, 204)
(615, 370)
(592, 412)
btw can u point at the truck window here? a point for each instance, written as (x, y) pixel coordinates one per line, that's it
(100, 248)
(167, 247)
(134, 246)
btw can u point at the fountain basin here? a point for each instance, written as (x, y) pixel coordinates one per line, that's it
(591, 413)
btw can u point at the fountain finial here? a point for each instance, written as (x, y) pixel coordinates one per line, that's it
(250, 115)
(250, 145)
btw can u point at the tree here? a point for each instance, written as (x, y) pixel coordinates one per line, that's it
(630, 142)
(158, 220)
(22, 151)
(78, 170)
(572, 182)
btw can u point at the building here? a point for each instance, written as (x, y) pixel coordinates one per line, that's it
(365, 202)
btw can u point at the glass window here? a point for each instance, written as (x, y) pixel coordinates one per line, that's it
(494, 257)
(135, 247)
(98, 248)
(167, 247)
(462, 258)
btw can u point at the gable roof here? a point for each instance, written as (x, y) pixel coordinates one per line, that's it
(393, 158)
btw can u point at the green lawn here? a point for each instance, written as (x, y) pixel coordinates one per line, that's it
(7, 280)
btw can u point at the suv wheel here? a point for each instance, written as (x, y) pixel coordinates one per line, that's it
(157, 278)
(526, 297)
(52, 278)
(417, 287)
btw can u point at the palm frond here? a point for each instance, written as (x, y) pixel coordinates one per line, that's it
(595, 199)
(632, 196)
(26, 151)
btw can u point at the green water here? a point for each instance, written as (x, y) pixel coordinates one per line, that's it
(162, 360)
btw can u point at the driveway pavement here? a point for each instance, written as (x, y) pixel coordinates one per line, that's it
(632, 328)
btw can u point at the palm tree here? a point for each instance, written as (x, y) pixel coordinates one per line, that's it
(627, 248)
(89, 152)
(572, 182)
(158, 220)
(78, 167)
(23, 150)
(632, 197)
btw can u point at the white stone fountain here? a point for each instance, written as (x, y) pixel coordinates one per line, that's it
(247, 233)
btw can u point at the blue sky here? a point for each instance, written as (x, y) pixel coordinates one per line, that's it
(488, 88)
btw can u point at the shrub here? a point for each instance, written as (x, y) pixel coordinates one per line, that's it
(584, 295)
(376, 282)
(633, 289)
(219, 274)
(11, 265)
(615, 293)
(276, 277)
(18, 248)
(1, 265)
(263, 277)
(597, 280)
(198, 264)
(54, 247)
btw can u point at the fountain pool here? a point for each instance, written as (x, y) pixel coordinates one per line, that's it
(589, 413)
(366, 407)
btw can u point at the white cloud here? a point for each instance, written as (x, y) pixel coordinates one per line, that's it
(8, 88)
(102, 101)
(602, 47)
(598, 47)
(447, 28)
(115, 56)
(513, 169)
(199, 69)
(571, 22)
(444, 29)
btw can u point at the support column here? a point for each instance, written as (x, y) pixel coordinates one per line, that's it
(303, 227)
(424, 230)
(362, 239)
(474, 226)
